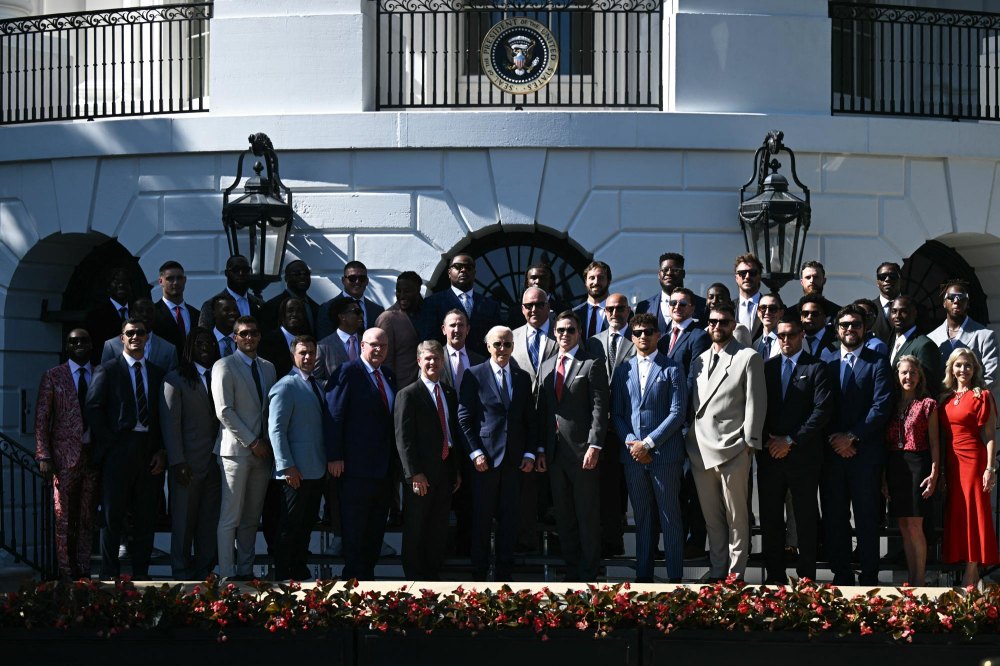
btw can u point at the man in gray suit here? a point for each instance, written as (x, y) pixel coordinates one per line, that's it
(959, 330)
(240, 385)
(457, 356)
(158, 351)
(534, 342)
(573, 406)
(728, 404)
(301, 459)
(613, 346)
(344, 344)
(190, 429)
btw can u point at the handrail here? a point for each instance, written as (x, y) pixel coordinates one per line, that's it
(27, 516)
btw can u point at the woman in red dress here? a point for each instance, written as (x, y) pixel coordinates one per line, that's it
(968, 429)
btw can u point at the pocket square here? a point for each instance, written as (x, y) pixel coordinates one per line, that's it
(579, 376)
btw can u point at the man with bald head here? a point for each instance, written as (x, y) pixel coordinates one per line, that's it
(534, 342)
(361, 435)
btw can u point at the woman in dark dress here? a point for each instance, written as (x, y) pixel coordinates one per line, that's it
(911, 472)
(968, 430)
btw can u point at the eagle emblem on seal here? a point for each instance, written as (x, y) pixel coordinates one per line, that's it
(520, 55)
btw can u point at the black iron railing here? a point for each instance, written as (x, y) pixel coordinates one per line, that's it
(125, 62)
(27, 520)
(429, 53)
(908, 61)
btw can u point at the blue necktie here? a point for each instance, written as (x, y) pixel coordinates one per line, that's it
(786, 376)
(533, 348)
(848, 371)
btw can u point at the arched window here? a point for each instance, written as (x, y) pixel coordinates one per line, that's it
(923, 273)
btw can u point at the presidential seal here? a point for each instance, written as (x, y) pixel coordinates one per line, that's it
(519, 55)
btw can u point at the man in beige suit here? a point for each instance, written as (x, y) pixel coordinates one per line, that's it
(728, 405)
(240, 384)
(534, 342)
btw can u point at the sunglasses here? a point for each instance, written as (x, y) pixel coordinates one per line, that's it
(248, 333)
(811, 313)
(720, 322)
(568, 330)
(844, 325)
(135, 332)
(461, 267)
(770, 308)
(502, 344)
(354, 279)
(534, 305)
(787, 336)
(956, 297)
(682, 304)
(753, 272)
(616, 308)
(644, 332)
(887, 277)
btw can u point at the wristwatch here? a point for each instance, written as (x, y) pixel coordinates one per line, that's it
(789, 440)
(647, 446)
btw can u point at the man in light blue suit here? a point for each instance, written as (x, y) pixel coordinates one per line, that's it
(647, 410)
(295, 426)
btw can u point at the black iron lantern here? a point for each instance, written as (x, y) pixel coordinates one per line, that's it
(258, 222)
(774, 220)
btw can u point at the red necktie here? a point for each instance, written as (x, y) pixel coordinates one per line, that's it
(673, 338)
(560, 377)
(180, 321)
(381, 387)
(444, 422)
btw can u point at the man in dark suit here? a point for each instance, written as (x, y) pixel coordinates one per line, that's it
(612, 347)
(190, 427)
(361, 433)
(275, 345)
(482, 311)
(573, 405)
(770, 311)
(172, 317)
(799, 405)
(354, 282)
(497, 417)
(105, 320)
(157, 350)
(63, 451)
(819, 338)
(344, 344)
(301, 457)
(647, 410)
(903, 314)
(225, 315)
(123, 413)
(684, 340)
(748, 272)
(888, 279)
(298, 279)
(430, 446)
(238, 287)
(457, 359)
(597, 278)
(852, 468)
(671, 277)
(812, 277)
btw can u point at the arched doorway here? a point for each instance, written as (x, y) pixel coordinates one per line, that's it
(926, 269)
(502, 258)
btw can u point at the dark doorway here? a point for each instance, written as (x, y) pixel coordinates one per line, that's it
(502, 258)
(923, 273)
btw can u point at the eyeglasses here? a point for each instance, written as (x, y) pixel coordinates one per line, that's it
(770, 308)
(644, 332)
(787, 336)
(887, 277)
(374, 345)
(844, 325)
(533, 305)
(720, 322)
(681, 303)
(956, 297)
(353, 279)
(461, 267)
(248, 333)
(135, 332)
(502, 344)
(616, 308)
(568, 330)
(753, 272)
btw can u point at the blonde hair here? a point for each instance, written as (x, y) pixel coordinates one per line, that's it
(978, 382)
(922, 390)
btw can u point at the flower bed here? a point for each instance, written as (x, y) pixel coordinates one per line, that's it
(810, 609)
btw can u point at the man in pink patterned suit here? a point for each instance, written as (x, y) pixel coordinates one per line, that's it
(62, 442)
